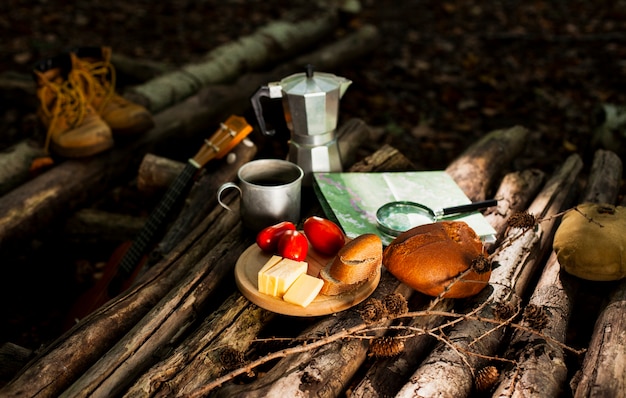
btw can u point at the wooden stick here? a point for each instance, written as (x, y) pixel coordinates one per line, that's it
(448, 372)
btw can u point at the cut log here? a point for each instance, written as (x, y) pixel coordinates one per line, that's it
(138, 69)
(91, 225)
(541, 364)
(156, 173)
(603, 372)
(386, 376)
(270, 44)
(231, 328)
(12, 359)
(487, 161)
(449, 370)
(15, 163)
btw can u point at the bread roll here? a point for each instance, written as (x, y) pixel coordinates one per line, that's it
(358, 259)
(427, 258)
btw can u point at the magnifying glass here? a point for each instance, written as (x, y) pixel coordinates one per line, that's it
(393, 218)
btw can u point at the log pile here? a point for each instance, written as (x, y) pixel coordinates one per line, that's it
(183, 329)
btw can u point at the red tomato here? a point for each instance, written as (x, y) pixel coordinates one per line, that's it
(268, 238)
(325, 236)
(294, 245)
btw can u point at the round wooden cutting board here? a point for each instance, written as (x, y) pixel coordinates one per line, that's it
(253, 258)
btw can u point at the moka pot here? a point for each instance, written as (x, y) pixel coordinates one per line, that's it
(311, 108)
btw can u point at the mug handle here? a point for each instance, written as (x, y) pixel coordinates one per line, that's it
(228, 185)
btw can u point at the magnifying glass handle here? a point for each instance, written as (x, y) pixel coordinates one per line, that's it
(469, 207)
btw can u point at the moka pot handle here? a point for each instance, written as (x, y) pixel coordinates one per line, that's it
(263, 91)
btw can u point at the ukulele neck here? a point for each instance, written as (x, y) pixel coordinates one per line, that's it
(156, 219)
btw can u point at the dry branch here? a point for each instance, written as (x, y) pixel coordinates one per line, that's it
(449, 370)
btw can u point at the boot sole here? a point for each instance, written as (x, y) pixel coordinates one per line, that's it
(82, 151)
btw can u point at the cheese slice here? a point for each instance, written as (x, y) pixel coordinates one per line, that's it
(304, 290)
(283, 274)
(264, 284)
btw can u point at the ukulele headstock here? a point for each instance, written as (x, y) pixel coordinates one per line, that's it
(230, 133)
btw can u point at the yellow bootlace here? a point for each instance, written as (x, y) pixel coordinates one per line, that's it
(95, 74)
(68, 101)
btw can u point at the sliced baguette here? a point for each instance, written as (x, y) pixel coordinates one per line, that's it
(358, 260)
(334, 287)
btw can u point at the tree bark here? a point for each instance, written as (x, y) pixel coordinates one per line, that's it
(449, 372)
(156, 173)
(91, 225)
(513, 195)
(487, 161)
(541, 369)
(603, 370)
(231, 327)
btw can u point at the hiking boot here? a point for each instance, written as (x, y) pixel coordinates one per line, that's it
(74, 127)
(96, 75)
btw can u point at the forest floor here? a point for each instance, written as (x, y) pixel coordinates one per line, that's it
(444, 74)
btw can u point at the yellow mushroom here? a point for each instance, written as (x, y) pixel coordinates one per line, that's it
(590, 243)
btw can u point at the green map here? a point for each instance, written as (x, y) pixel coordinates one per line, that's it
(352, 199)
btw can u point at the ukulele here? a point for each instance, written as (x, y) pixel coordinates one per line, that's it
(119, 275)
